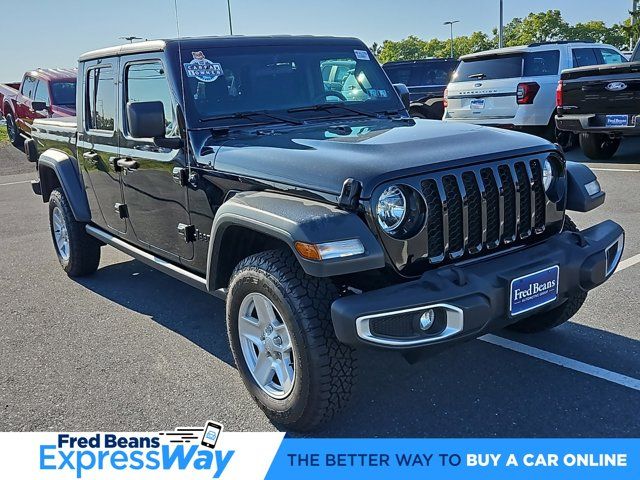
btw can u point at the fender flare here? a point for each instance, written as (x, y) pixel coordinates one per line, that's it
(578, 199)
(65, 170)
(291, 219)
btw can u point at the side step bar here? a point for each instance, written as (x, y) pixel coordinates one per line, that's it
(154, 262)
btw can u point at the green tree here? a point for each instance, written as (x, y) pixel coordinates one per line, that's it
(536, 27)
(411, 48)
(597, 31)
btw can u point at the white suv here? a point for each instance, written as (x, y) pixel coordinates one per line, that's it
(515, 87)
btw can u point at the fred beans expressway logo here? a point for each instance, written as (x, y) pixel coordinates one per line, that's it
(188, 450)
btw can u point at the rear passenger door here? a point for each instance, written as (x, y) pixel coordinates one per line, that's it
(156, 201)
(98, 141)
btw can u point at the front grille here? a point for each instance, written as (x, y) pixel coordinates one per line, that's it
(473, 210)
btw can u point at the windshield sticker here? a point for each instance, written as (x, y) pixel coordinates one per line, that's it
(362, 54)
(203, 69)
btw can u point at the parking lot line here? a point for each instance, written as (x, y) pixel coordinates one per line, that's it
(614, 170)
(565, 362)
(628, 262)
(14, 183)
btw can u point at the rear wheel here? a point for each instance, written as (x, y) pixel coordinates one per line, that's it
(13, 132)
(556, 316)
(282, 339)
(598, 146)
(77, 251)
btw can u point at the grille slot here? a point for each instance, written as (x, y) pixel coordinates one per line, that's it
(471, 210)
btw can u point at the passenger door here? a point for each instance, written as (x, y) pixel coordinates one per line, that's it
(98, 142)
(156, 202)
(41, 95)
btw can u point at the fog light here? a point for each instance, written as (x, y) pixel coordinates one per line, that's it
(427, 319)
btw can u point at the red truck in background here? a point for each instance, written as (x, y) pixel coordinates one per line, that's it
(43, 93)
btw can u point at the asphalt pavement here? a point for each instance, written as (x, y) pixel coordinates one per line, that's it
(130, 349)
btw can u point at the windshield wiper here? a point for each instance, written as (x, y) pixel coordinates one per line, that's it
(477, 75)
(327, 106)
(250, 115)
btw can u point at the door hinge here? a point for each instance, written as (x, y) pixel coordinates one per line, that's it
(188, 232)
(122, 210)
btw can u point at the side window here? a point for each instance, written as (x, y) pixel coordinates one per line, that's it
(399, 74)
(611, 56)
(583, 57)
(101, 99)
(42, 93)
(545, 62)
(147, 82)
(29, 87)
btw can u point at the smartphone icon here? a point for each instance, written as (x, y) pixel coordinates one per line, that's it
(211, 433)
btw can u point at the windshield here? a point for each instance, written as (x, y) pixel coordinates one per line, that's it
(529, 64)
(64, 93)
(221, 83)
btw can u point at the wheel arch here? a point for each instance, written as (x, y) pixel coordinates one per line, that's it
(252, 222)
(57, 170)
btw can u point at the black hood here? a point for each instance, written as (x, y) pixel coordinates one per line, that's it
(321, 157)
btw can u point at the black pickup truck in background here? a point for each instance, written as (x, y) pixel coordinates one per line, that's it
(427, 80)
(601, 103)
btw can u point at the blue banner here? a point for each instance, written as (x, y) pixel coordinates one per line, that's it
(457, 459)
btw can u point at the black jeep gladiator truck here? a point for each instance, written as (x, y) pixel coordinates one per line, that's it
(601, 103)
(324, 215)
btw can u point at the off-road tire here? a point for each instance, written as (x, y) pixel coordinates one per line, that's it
(84, 250)
(13, 132)
(598, 146)
(325, 368)
(556, 316)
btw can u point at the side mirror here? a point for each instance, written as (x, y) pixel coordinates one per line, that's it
(38, 106)
(146, 119)
(403, 93)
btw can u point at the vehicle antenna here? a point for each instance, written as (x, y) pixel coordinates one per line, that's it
(184, 98)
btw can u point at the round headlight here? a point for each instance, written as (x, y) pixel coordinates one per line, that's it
(547, 174)
(391, 209)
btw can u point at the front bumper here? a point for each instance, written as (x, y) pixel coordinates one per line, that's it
(595, 123)
(476, 294)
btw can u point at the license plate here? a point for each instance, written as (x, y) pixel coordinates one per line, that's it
(617, 120)
(534, 290)
(477, 104)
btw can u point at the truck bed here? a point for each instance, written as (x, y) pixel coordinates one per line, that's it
(602, 89)
(59, 133)
(7, 92)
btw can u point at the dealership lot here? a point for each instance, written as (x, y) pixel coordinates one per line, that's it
(131, 349)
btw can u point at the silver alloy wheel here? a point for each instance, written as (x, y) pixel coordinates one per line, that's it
(266, 345)
(60, 233)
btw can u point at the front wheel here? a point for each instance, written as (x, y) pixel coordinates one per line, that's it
(13, 132)
(598, 146)
(556, 316)
(78, 252)
(282, 339)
